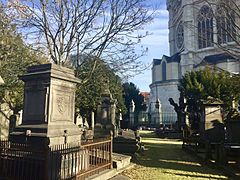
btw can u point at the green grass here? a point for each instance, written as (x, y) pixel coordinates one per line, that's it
(165, 159)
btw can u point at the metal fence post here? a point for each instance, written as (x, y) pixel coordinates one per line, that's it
(47, 165)
(111, 148)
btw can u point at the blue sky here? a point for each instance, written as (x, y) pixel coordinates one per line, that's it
(157, 44)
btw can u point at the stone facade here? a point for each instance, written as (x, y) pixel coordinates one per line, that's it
(187, 51)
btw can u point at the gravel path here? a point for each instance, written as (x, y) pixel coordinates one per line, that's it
(164, 159)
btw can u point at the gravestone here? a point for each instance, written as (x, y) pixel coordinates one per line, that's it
(156, 119)
(106, 114)
(49, 106)
(211, 122)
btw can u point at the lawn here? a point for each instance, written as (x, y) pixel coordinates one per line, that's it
(165, 159)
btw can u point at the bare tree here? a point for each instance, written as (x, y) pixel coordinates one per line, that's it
(109, 29)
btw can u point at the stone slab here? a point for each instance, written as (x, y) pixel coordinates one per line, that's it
(120, 161)
(107, 174)
(110, 174)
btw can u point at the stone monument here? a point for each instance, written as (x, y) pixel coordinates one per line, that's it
(49, 106)
(211, 125)
(156, 119)
(106, 114)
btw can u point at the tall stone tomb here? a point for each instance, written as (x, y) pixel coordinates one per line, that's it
(49, 106)
(211, 122)
(106, 114)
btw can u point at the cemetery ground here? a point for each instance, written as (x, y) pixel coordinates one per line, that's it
(165, 159)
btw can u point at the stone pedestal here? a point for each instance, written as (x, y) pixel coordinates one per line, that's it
(49, 104)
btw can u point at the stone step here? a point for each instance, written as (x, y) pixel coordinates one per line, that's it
(120, 161)
(107, 174)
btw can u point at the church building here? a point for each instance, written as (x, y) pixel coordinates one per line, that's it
(196, 29)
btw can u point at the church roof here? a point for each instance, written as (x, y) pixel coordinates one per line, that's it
(217, 58)
(174, 58)
(157, 62)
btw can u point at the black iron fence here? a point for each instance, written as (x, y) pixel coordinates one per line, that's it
(168, 117)
(65, 161)
(21, 161)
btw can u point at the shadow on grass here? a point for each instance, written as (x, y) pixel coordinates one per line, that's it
(148, 134)
(169, 155)
(194, 176)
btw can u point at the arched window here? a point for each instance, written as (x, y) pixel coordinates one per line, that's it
(225, 18)
(164, 71)
(205, 27)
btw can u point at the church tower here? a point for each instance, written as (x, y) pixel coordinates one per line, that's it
(195, 32)
(182, 31)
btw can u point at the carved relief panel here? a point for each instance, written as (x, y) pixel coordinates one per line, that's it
(62, 106)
